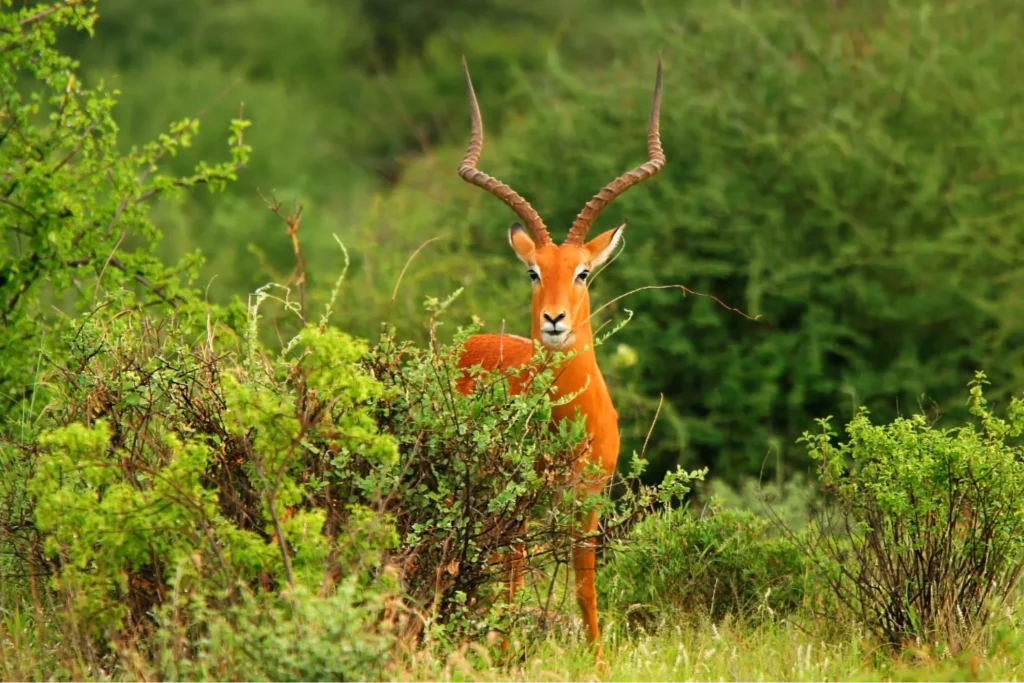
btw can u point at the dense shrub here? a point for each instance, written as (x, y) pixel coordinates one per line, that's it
(181, 456)
(723, 561)
(924, 530)
(160, 454)
(299, 636)
(474, 470)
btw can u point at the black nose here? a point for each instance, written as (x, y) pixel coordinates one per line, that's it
(555, 319)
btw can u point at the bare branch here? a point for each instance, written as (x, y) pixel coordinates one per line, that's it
(293, 221)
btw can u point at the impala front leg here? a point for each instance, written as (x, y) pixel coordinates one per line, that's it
(514, 563)
(584, 563)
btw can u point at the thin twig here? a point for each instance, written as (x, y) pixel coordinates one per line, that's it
(685, 289)
(180, 182)
(99, 279)
(408, 262)
(650, 430)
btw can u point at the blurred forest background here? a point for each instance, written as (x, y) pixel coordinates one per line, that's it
(848, 172)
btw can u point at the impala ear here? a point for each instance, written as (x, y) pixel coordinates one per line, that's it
(603, 246)
(521, 243)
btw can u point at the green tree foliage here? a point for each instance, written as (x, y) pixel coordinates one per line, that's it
(342, 94)
(159, 458)
(73, 209)
(847, 175)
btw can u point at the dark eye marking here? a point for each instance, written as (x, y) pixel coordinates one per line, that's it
(534, 275)
(582, 277)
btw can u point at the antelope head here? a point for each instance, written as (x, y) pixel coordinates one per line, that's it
(560, 273)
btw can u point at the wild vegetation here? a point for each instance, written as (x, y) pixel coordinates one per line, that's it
(238, 265)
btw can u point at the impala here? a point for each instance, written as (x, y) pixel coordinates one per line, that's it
(560, 320)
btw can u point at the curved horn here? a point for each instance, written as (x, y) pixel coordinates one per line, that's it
(655, 162)
(469, 172)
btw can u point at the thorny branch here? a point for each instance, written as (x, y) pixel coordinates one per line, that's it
(293, 221)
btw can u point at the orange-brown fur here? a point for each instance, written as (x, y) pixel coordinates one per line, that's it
(491, 352)
(561, 319)
(558, 290)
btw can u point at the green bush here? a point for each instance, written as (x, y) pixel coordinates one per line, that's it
(923, 533)
(723, 561)
(476, 469)
(299, 636)
(182, 456)
(161, 452)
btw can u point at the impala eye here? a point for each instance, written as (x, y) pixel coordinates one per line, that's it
(582, 277)
(534, 275)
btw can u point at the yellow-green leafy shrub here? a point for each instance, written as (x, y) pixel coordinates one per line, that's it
(923, 533)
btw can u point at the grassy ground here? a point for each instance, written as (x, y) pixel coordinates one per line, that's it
(694, 649)
(706, 652)
(39, 640)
